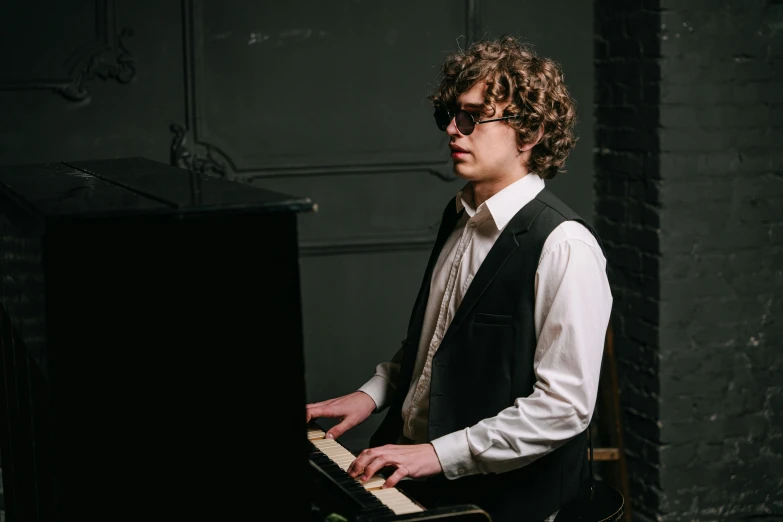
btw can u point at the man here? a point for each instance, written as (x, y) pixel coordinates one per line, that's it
(490, 395)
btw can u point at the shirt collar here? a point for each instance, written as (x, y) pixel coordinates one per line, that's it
(505, 204)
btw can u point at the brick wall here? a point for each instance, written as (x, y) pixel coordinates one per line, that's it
(628, 219)
(689, 192)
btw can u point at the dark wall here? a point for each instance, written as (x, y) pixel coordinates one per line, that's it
(330, 103)
(72, 46)
(319, 99)
(628, 218)
(690, 202)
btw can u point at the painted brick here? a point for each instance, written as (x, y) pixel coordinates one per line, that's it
(689, 173)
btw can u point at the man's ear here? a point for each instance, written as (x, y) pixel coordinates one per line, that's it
(524, 147)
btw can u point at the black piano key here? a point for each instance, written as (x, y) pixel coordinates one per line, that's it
(369, 502)
(350, 484)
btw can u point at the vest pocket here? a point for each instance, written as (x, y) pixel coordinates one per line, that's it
(492, 319)
(486, 365)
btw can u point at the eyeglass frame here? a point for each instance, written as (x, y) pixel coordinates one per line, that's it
(473, 120)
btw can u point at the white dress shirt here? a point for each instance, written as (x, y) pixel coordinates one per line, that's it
(573, 302)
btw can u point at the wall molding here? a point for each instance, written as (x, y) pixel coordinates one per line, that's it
(190, 148)
(204, 159)
(106, 58)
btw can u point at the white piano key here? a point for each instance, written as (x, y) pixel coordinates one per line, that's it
(410, 508)
(393, 498)
(374, 482)
(315, 433)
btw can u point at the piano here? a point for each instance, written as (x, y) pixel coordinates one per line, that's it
(334, 491)
(151, 354)
(151, 344)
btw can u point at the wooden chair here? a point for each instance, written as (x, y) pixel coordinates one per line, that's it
(607, 499)
(609, 429)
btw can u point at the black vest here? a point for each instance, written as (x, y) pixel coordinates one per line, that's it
(485, 362)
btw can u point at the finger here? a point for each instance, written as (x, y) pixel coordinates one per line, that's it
(317, 409)
(309, 414)
(319, 404)
(395, 477)
(338, 430)
(357, 466)
(312, 413)
(326, 411)
(375, 465)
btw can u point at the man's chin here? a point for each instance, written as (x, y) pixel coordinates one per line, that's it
(462, 172)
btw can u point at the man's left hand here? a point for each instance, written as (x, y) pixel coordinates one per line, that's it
(414, 461)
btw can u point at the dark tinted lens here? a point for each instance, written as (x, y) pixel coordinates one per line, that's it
(442, 118)
(465, 122)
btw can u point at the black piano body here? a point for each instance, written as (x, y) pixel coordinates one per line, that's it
(151, 341)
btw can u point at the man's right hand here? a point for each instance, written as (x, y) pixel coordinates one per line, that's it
(351, 409)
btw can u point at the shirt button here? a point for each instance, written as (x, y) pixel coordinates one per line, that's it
(461, 471)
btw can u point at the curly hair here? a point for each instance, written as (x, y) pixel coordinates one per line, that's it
(533, 85)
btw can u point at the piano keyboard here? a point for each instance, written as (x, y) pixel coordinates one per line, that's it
(337, 454)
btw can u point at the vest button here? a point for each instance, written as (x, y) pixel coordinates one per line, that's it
(461, 471)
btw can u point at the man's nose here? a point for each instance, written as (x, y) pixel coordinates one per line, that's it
(452, 129)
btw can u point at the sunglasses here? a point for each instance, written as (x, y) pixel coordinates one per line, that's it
(463, 119)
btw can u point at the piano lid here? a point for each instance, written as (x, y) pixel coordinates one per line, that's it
(127, 187)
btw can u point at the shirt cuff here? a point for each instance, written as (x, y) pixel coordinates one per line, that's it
(379, 391)
(455, 456)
